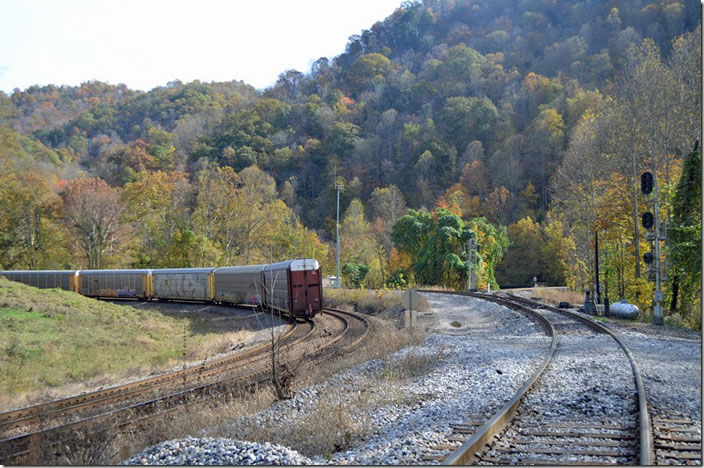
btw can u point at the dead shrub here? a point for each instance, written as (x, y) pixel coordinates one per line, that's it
(412, 364)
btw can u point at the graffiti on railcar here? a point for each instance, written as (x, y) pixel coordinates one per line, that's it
(254, 299)
(123, 292)
(181, 285)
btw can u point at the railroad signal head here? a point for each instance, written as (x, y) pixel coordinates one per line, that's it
(648, 220)
(648, 257)
(646, 182)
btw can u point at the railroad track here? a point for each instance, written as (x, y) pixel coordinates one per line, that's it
(135, 405)
(524, 432)
(676, 438)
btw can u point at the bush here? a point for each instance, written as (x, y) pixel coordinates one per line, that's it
(367, 301)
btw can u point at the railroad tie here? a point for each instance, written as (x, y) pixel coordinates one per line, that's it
(604, 443)
(677, 439)
(560, 451)
(679, 455)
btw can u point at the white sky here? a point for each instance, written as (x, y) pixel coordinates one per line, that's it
(147, 43)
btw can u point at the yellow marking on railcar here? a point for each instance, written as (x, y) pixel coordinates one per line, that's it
(211, 286)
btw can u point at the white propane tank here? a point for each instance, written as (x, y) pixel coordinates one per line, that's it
(623, 309)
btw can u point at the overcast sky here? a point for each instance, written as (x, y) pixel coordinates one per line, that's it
(147, 43)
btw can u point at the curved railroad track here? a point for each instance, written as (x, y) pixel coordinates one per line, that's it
(508, 436)
(676, 439)
(46, 429)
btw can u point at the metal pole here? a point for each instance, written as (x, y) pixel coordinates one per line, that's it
(471, 262)
(596, 260)
(657, 316)
(474, 264)
(469, 267)
(337, 230)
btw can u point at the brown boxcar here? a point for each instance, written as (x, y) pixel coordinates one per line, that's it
(294, 286)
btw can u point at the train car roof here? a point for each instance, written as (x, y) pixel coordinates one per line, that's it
(53, 272)
(182, 270)
(298, 264)
(240, 269)
(104, 272)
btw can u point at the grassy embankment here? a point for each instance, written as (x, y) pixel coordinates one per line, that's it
(54, 342)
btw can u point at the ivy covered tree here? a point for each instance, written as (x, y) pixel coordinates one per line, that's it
(355, 273)
(436, 245)
(685, 236)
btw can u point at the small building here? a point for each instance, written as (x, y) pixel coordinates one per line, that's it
(331, 282)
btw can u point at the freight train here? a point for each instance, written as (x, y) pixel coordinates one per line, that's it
(293, 287)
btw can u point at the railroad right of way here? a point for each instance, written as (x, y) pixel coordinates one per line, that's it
(481, 353)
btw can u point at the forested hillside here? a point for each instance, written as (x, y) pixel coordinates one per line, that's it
(524, 124)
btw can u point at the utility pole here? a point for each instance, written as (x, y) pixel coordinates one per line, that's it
(597, 288)
(471, 261)
(337, 229)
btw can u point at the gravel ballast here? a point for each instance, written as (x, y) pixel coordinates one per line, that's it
(478, 354)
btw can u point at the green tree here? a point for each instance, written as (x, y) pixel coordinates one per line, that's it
(466, 119)
(685, 239)
(31, 236)
(436, 244)
(355, 273)
(492, 243)
(342, 138)
(358, 243)
(157, 206)
(523, 259)
(367, 68)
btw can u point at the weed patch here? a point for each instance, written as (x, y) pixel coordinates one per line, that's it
(555, 296)
(366, 301)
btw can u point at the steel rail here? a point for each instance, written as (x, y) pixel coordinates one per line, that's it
(357, 316)
(646, 433)
(466, 452)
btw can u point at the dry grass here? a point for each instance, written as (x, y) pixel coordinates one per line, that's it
(368, 301)
(555, 296)
(326, 427)
(434, 287)
(333, 423)
(362, 300)
(385, 338)
(197, 419)
(412, 364)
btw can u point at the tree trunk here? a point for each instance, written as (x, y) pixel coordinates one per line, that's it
(675, 292)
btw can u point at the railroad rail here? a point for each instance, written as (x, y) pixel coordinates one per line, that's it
(577, 436)
(241, 370)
